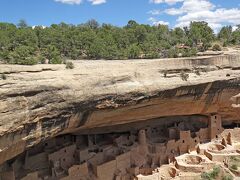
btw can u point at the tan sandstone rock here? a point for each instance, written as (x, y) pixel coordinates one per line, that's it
(42, 101)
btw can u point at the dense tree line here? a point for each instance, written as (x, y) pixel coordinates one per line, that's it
(21, 44)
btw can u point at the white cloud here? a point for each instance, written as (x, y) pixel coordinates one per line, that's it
(69, 1)
(173, 11)
(203, 10)
(97, 2)
(152, 19)
(155, 12)
(156, 22)
(43, 27)
(216, 18)
(156, 1)
(234, 28)
(189, 6)
(170, 2)
(161, 22)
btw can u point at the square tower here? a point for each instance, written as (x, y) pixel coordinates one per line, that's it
(215, 126)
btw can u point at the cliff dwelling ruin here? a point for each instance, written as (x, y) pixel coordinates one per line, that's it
(123, 126)
(178, 148)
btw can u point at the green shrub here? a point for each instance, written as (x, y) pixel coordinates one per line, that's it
(41, 59)
(152, 55)
(56, 60)
(216, 47)
(23, 55)
(197, 72)
(165, 73)
(215, 172)
(173, 53)
(69, 65)
(30, 61)
(234, 167)
(206, 176)
(133, 52)
(225, 44)
(211, 175)
(189, 52)
(4, 55)
(206, 46)
(234, 158)
(227, 177)
(193, 51)
(3, 77)
(184, 76)
(53, 54)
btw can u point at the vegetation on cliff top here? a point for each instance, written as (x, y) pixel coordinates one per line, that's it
(21, 44)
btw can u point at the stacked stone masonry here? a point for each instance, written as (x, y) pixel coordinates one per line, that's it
(160, 152)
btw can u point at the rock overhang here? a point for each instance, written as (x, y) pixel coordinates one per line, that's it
(37, 104)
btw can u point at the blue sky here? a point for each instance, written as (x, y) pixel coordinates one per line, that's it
(118, 12)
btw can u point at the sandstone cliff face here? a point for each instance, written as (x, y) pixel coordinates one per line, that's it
(43, 101)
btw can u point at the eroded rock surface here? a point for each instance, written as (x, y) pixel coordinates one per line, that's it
(44, 101)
